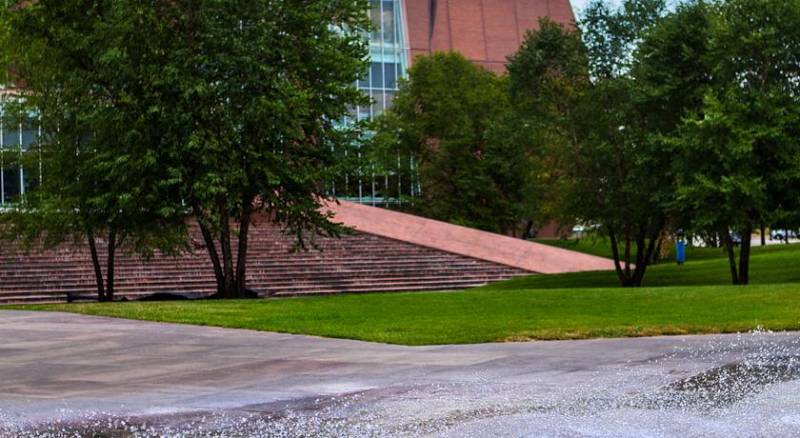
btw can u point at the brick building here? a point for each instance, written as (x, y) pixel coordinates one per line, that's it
(484, 31)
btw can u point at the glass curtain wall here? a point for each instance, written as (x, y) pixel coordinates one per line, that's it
(387, 55)
(384, 178)
(20, 166)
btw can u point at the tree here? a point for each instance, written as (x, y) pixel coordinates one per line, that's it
(611, 35)
(622, 182)
(671, 72)
(582, 95)
(671, 67)
(738, 155)
(454, 116)
(620, 178)
(548, 78)
(102, 181)
(251, 95)
(225, 110)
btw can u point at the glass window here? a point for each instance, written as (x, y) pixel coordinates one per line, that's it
(376, 75)
(375, 15)
(10, 138)
(30, 133)
(377, 106)
(387, 17)
(29, 138)
(389, 98)
(351, 112)
(31, 179)
(389, 75)
(11, 184)
(363, 113)
(386, 48)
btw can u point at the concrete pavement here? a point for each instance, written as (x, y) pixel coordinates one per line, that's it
(68, 369)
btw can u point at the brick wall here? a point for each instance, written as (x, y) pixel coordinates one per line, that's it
(485, 31)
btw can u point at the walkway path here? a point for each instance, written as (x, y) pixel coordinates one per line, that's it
(60, 369)
(470, 242)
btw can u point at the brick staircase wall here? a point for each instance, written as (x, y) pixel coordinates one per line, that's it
(359, 262)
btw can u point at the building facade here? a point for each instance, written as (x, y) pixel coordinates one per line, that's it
(484, 31)
(389, 56)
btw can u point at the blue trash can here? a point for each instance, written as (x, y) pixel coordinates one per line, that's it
(680, 252)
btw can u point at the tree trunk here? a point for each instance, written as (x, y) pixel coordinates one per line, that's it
(112, 250)
(623, 266)
(98, 272)
(645, 250)
(241, 262)
(230, 274)
(627, 256)
(649, 253)
(615, 254)
(641, 261)
(744, 257)
(229, 285)
(655, 258)
(211, 247)
(526, 234)
(728, 242)
(763, 235)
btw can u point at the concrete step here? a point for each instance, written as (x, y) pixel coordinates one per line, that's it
(355, 263)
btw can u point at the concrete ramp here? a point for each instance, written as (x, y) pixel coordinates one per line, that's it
(482, 245)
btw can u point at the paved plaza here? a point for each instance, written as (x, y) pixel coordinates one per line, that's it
(71, 375)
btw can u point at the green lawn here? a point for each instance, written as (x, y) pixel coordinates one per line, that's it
(693, 299)
(600, 246)
(705, 266)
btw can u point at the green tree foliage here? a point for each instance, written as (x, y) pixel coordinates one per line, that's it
(227, 110)
(739, 156)
(253, 94)
(455, 117)
(612, 34)
(687, 118)
(621, 173)
(103, 180)
(671, 67)
(587, 115)
(549, 77)
(602, 100)
(670, 73)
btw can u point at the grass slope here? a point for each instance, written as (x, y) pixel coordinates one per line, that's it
(693, 299)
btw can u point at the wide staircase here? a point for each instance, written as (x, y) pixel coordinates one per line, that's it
(353, 263)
